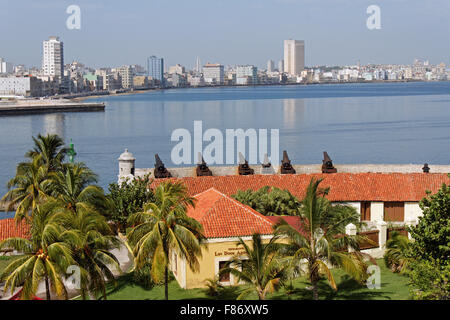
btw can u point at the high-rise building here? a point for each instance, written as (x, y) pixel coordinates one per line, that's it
(281, 66)
(213, 73)
(155, 69)
(5, 67)
(198, 66)
(294, 56)
(270, 66)
(126, 76)
(53, 57)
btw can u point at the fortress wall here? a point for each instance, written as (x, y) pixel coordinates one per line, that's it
(180, 172)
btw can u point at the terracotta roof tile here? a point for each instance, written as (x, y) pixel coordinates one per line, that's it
(222, 216)
(9, 229)
(343, 186)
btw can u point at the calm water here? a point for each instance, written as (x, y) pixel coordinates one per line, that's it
(355, 123)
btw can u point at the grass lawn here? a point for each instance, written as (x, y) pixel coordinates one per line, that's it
(393, 287)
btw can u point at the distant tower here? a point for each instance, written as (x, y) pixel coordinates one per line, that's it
(53, 57)
(281, 66)
(294, 56)
(155, 69)
(126, 166)
(198, 66)
(270, 66)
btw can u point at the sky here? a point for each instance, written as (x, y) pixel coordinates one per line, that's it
(230, 32)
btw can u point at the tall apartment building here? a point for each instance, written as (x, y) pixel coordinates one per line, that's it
(126, 75)
(213, 73)
(5, 67)
(53, 57)
(155, 69)
(294, 56)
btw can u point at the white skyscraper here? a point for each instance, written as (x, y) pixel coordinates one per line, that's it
(294, 56)
(270, 66)
(198, 66)
(53, 57)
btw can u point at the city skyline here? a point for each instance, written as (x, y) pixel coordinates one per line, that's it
(396, 42)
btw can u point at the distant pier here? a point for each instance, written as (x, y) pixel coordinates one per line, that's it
(45, 106)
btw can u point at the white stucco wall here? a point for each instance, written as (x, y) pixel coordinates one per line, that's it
(412, 211)
(376, 211)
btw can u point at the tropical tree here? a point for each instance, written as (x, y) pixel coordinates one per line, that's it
(163, 227)
(429, 269)
(28, 188)
(79, 207)
(396, 254)
(321, 242)
(269, 201)
(91, 240)
(129, 197)
(263, 270)
(51, 149)
(46, 257)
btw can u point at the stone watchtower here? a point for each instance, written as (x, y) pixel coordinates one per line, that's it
(126, 166)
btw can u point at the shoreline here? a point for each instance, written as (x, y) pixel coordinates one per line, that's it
(141, 91)
(45, 106)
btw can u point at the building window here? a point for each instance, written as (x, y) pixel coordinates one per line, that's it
(226, 276)
(394, 211)
(365, 211)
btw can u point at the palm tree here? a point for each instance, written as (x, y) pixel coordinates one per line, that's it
(263, 271)
(163, 227)
(72, 187)
(321, 243)
(395, 256)
(79, 208)
(46, 257)
(50, 148)
(31, 186)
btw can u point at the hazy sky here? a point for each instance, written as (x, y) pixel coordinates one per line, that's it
(231, 32)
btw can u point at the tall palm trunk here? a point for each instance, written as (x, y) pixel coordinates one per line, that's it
(166, 282)
(47, 288)
(315, 290)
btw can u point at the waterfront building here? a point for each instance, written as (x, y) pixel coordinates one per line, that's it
(20, 86)
(126, 76)
(246, 75)
(213, 73)
(141, 82)
(294, 56)
(270, 66)
(178, 80)
(93, 82)
(178, 69)
(53, 57)
(196, 80)
(198, 66)
(155, 69)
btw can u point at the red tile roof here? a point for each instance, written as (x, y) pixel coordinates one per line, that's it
(9, 229)
(343, 186)
(222, 216)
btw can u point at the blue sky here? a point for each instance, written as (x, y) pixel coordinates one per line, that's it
(227, 31)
